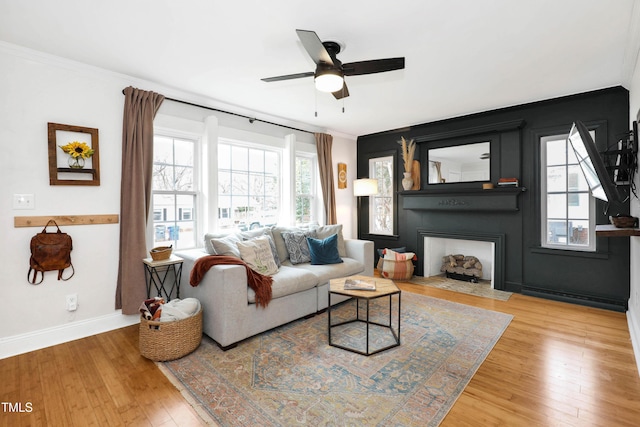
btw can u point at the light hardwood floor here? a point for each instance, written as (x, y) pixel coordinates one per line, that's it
(557, 364)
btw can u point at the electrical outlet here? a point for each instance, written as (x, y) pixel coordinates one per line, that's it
(23, 201)
(72, 302)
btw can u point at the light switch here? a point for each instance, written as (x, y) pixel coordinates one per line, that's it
(24, 201)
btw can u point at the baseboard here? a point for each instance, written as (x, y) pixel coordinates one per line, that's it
(607, 304)
(24, 343)
(633, 318)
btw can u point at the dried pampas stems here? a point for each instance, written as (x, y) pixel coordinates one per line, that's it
(408, 149)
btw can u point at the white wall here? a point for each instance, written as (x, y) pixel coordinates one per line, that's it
(344, 151)
(633, 315)
(36, 89)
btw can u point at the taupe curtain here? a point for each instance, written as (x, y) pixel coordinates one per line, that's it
(140, 107)
(325, 164)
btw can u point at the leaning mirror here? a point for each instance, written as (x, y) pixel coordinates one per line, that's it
(460, 163)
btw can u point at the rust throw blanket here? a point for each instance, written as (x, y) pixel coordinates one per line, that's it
(261, 284)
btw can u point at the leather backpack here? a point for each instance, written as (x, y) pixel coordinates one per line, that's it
(50, 252)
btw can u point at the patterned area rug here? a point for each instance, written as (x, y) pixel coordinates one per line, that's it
(291, 376)
(482, 288)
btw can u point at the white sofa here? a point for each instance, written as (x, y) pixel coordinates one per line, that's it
(230, 313)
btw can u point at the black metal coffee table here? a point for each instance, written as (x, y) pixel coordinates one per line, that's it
(384, 288)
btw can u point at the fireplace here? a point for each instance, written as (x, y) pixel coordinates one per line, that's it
(488, 248)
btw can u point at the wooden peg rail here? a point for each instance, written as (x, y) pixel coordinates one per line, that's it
(41, 221)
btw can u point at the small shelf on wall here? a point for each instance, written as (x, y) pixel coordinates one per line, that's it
(609, 230)
(59, 174)
(41, 221)
(93, 172)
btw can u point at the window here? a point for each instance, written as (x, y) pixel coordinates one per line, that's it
(305, 189)
(568, 209)
(174, 192)
(248, 186)
(381, 214)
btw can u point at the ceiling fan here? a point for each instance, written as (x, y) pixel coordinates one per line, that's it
(330, 71)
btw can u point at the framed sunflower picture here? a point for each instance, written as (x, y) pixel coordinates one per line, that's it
(74, 157)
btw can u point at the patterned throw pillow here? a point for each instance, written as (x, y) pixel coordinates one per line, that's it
(257, 254)
(402, 250)
(324, 251)
(398, 256)
(267, 233)
(296, 243)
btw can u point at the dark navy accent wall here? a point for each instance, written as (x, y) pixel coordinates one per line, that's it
(599, 279)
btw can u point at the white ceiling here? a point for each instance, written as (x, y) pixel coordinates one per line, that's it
(462, 56)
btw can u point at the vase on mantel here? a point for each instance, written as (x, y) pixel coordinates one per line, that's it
(407, 181)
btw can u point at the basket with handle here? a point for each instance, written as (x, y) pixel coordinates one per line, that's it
(163, 341)
(161, 253)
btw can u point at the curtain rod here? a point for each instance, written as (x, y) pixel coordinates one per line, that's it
(251, 119)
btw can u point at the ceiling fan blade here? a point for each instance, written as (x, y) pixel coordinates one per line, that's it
(343, 93)
(288, 77)
(314, 47)
(373, 66)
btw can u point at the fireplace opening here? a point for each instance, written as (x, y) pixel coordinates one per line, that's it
(488, 249)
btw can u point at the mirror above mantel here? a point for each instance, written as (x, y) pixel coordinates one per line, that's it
(489, 152)
(460, 163)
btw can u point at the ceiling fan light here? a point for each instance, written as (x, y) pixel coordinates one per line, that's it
(329, 81)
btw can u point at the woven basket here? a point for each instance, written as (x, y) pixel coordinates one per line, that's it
(396, 269)
(160, 253)
(624, 221)
(162, 341)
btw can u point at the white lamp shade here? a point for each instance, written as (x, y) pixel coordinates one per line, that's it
(329, 82)
(365, 187)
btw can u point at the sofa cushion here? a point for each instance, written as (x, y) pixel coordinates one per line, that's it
(250, 234)
(297, 246)
(208, 247)
(227, 245)
(325, 231)
(324, 251)
(257, 254)
(324, 273)
(288, 280)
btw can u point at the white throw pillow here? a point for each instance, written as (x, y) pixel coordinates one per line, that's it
(226, 246)
(257, 254)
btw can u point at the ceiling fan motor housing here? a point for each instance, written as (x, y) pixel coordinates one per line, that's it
(330, 72)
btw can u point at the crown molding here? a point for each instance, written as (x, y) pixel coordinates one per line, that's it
(167, 91)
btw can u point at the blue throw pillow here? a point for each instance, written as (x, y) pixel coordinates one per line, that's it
(324, 251)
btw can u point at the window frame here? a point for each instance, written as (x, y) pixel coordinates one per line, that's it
(393, 158)
(543, 139)
(232, 142)
(196, 192)
(312, 196)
